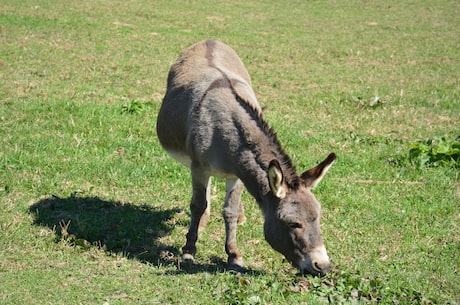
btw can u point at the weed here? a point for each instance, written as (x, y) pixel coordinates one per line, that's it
(342, 287)
(369, 102)
(133, 107)
(441, 151)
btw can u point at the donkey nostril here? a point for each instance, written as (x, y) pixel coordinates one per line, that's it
(317, 267)
(321, 267)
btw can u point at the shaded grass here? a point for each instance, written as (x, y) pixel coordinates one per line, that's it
(86, 222)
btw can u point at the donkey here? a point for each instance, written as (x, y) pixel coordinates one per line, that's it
(211, 122)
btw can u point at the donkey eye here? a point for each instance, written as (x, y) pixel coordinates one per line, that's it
(295, 225)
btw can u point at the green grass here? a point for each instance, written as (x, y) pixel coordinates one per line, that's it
(93, 211)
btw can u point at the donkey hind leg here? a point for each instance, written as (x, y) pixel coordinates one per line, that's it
(232, 208)
(199, 209)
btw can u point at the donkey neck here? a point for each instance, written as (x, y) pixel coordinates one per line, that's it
(259, 146)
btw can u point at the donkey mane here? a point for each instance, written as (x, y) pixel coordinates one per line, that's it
(292, 179)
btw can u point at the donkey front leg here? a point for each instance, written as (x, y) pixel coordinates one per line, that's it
(199, 208)
(231, 211)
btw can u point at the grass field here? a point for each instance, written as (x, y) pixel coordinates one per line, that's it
(93, 211)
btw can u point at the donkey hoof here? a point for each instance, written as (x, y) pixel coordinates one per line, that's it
(235, 264)
(235, 268)
(187, 257)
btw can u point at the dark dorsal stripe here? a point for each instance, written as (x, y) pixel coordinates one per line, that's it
(291, 177)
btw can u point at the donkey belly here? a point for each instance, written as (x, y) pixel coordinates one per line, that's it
(211, 169)
(181, 157)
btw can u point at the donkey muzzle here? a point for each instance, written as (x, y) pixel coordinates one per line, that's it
(318, 262)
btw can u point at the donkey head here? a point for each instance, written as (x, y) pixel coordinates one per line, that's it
(292, 227)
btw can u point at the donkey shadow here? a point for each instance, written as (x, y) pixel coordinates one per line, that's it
(134, 231)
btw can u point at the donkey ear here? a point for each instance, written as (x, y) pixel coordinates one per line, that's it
(276, 179)
(314, 175)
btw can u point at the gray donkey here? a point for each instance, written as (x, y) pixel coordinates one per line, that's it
(210, 121)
